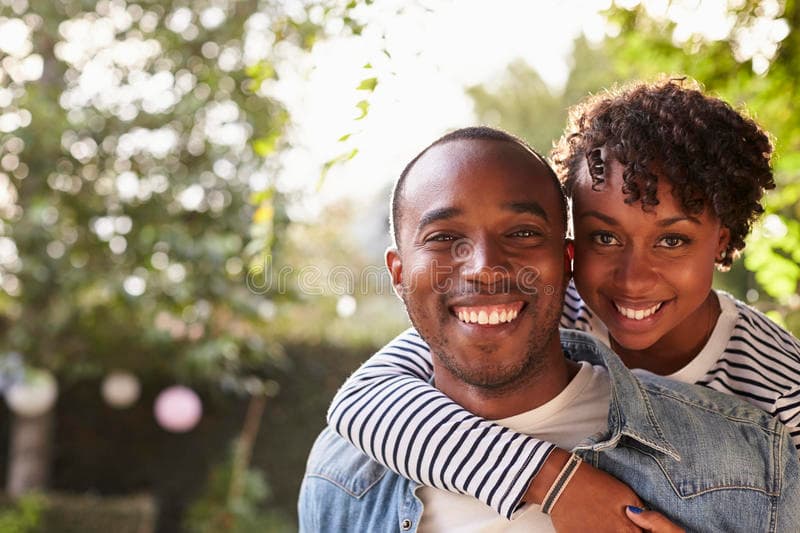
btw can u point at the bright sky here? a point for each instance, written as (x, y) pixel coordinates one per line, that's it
(435, 54)
(436, 50)
(424, 53)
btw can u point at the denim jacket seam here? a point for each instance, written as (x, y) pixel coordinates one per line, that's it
(337, 484)
(654, 422)
(768, 428)
(777, 450)
(644, 393)
(770, 493)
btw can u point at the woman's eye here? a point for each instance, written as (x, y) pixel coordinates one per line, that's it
(604, 238)
(673, 241)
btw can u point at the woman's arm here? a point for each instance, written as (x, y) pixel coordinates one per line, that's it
(389, 410)
(787, 410)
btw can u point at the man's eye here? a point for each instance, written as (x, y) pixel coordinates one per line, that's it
(526, 233)
(604, 238)
(441, 237)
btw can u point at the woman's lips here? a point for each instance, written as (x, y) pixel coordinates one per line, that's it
(638, 312)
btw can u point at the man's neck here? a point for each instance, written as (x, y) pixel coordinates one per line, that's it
(524, 394)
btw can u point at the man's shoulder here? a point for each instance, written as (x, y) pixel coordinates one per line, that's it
(338, 462)
(745, 446)
(704, 458)
(678, 396)
(344, 490)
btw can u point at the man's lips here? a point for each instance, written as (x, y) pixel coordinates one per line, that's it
(488, 314)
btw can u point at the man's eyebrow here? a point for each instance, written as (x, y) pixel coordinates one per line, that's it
(437, 214)
(532, 208)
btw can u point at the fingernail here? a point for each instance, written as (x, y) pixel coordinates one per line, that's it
(635, 510)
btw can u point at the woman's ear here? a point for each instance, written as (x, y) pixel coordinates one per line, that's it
(724, 240)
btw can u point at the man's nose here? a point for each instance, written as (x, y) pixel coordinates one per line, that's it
(483, 261)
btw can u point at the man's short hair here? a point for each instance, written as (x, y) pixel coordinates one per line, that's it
(480, 133)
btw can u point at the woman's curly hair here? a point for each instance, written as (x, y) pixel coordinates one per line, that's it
(711, 154)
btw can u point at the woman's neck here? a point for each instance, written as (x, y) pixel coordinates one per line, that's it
(680, 346)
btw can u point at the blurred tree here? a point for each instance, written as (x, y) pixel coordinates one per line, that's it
(132, 138)
(522, 103)
(748, 52)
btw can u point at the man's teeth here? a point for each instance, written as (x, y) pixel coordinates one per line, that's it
(637, 314)
(482, 316)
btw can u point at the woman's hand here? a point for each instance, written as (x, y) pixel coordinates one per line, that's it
(652, 521)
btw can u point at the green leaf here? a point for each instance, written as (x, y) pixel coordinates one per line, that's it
(363, 105)
(367, 84)
(259, 197)
(344, 137)
(264, 146)
(347, 156)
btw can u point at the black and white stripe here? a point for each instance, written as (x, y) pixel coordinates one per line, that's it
(760, 362)
(390, 411)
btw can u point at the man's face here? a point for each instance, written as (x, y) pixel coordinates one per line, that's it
(481, 263)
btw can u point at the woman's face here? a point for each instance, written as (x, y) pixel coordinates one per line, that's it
(645, 274)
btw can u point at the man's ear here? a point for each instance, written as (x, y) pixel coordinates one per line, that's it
(395, 266)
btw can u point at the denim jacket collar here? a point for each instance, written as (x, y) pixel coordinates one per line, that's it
(630, 413)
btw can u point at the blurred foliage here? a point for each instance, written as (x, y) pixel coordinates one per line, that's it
(24, 516)
(213, 512)
(753, 62)
(522, 103)
(330, 285)
(139, 146)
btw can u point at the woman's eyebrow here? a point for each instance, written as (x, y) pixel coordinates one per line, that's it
(674, 220)
(611, 221)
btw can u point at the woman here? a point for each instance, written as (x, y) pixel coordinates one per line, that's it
(665, 184)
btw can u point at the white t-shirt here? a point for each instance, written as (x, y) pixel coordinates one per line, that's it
(578, 412)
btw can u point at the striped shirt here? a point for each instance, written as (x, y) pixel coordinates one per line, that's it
(389, 409)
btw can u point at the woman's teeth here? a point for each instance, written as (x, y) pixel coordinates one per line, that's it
(637, 314)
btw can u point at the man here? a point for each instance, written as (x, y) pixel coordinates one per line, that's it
(481, 263)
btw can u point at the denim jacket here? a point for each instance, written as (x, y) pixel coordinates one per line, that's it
(708, 461)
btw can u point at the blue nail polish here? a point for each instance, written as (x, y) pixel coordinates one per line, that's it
(635, 510)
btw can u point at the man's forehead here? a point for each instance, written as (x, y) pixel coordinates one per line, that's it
(474, 158)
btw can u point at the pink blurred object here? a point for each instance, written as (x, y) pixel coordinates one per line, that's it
(178, 409)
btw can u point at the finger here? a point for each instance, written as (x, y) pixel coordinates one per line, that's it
(651, 520)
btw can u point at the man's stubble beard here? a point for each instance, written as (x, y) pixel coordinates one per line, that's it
(494, 380)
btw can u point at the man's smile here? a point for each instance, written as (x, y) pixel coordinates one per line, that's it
(488, 314)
